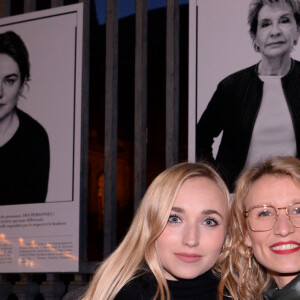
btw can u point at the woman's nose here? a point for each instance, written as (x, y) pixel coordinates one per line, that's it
(275, 30)
(283, 225)
(191, 235)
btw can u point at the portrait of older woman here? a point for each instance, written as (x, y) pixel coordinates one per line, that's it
(24, 144)
(257, 108)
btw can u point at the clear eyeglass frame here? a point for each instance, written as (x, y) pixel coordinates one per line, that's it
(287, 209)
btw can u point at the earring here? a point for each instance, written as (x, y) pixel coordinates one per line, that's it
(249, 254)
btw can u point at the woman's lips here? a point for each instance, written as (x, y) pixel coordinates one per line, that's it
(285, 247)
(275, 44)
(188, 257)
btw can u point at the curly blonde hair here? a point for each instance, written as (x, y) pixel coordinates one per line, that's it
(137, 252)
(237, 278)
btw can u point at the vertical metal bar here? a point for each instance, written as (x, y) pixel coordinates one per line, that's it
(111, 126)
(52, 288)
(57, 3)
(172, 83)
(5, 8)
(84, 132)
(29, 5)
(140, 125)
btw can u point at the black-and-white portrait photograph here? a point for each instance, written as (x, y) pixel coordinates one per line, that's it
(40, 139)
(38, 110)
(24, 143)
(246, 83)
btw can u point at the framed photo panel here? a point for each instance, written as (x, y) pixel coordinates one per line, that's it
(40, 233)
(219, 45)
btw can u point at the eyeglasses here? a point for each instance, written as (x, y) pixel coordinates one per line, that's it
(263, 217)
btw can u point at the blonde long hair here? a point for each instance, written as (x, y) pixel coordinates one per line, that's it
(236, 277)
(137, 252)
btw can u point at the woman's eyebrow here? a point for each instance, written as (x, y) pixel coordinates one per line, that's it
(281, 16)
(11, 75)
(204, 212)
(211, 211)
(177, 209)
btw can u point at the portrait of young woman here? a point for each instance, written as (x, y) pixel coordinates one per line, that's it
(256, 109)
(263, 257)
(24, 143)
(173, 242)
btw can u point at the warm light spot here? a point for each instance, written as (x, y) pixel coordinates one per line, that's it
(69, 255)
(21, 241)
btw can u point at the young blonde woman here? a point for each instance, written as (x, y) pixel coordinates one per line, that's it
(263, 257)
(173, 243)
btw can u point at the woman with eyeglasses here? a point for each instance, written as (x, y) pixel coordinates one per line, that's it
(263, 257)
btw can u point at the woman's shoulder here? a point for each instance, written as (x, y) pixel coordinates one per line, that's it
(297, 65)
(140, 288)
(241, 75)
(289, 292)
(29, 124)
(75, 294)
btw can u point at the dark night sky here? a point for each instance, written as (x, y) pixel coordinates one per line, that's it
(127, 7)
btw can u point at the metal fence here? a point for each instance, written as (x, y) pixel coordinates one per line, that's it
(54, 286)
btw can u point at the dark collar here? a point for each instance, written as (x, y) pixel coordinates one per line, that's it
(289, 292)
(289, 72)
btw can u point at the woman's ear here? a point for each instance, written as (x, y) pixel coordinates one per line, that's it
(247, 241)
(21, 89)
(297, 36)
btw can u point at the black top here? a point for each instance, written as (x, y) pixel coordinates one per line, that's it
(24, 164)
(144, 287)
(289, 292)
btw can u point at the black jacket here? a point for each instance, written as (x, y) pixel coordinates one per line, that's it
(233, 109)
(289, 292)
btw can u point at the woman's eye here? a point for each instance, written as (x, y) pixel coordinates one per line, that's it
(265, 24)
(210, 222)
(10, 81)
(264, 213)
(285, 20)
(174, 219)
(296, 211)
